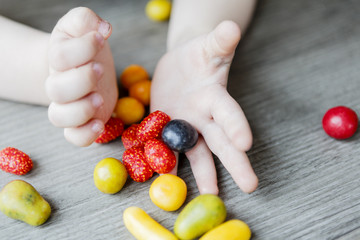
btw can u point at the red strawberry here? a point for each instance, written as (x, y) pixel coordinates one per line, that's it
(113, 129)
(159, 156)
(15, 161)
(135, 163)
(152, 126)
(129, 139)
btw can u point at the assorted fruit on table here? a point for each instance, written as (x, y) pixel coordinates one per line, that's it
(131, 109)
(203, 217)
(149, 143)
(145, 153)
(149, 148)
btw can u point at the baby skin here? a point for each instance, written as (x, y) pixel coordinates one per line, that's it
(82, 82)
(189, 83)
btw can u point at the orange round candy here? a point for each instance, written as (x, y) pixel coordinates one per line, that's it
(133, 74)
(168, 192)
(141, 91)
(129, 110)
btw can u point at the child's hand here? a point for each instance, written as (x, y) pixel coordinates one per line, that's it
(190, 83)
(82, 82)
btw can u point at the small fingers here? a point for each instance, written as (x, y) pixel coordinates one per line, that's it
(73, 52)
(75, 113)
(73, 84)
(203, 167)
(229, 115)
(81, 20)
(235, 161)
(84, 135)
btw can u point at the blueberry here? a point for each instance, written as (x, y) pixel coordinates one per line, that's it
(179, 135)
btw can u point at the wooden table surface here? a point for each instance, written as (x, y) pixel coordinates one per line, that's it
(298, 59)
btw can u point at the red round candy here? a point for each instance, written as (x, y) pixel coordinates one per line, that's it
(340, 122)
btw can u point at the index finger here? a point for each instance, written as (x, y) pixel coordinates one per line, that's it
(236, 162)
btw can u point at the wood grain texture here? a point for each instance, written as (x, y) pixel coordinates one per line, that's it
(298, 59)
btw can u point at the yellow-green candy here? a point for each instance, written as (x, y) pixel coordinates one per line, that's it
(200, 215)
(20, 200)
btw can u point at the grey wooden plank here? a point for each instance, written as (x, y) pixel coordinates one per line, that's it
(298, 59)
(355, 234)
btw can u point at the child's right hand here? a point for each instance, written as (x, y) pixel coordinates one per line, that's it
(82, 82)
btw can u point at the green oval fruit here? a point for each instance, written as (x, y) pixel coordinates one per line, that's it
(19, 200)
(200, 215)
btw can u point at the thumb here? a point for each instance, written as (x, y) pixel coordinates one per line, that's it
(79, 21)
(223, 40)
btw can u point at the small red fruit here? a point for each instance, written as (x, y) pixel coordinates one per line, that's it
(136, 165)
(159, 156)
(113, 129)
(340, 122)
(129, 138)
(152, 126)
(15, 161)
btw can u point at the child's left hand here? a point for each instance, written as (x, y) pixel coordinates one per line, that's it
(190, 83)
(82, 83)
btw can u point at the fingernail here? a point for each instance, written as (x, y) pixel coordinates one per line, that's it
(97, 100)
(97, 127)
(104, 28)
(100, 39)
(98, 69)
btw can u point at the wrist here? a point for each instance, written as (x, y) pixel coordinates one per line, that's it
(190, 19)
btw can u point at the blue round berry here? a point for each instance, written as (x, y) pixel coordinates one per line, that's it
(179, 135)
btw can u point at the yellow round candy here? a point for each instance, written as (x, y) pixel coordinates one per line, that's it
(168, 192)
(110, 175)
(158, 10)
